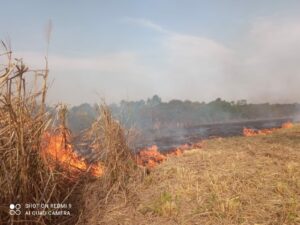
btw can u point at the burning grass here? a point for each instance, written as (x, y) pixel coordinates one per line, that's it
(248, 132)
(234, 180)
(58, 153)
(24, 176)
(109, 143)
(150, 157)
(39, 164)
(287, 125)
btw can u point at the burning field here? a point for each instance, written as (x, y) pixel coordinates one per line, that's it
(59, 151)
(248, 132)
(151, 156)
(42, 177)
(236, 180)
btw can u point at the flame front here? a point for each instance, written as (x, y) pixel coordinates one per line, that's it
(151, 157)
(287, 125)
(57, 152)
(61, 153)
(248, 132)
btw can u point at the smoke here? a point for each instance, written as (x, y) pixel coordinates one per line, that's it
(265, 64)
(260, 64)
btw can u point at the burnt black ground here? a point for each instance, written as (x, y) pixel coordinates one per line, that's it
(169, 138)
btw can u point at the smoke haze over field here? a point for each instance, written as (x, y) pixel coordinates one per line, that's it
(197, 50)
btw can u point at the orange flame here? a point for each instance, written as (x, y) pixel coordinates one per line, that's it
(248, 132)
(287, 125)
(64, 155)
(151, 157)
(57, 152)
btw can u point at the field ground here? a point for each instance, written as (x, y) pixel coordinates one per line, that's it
(238, 180)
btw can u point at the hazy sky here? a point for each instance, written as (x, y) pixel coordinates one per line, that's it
(197, 50)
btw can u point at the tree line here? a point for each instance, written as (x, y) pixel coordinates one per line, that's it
(153, 113)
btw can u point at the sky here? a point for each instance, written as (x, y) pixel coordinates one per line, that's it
(188, 49)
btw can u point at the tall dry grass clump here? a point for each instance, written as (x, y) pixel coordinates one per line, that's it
(24, 176)
(109, 143)
(27, 174)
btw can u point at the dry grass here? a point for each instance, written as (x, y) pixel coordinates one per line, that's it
(253, 180)
(239, 180)
(108, 140)
(25, 178)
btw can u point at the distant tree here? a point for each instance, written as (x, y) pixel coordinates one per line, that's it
(242, 102)
(155, 100)
(145, 115)
(175, 102)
